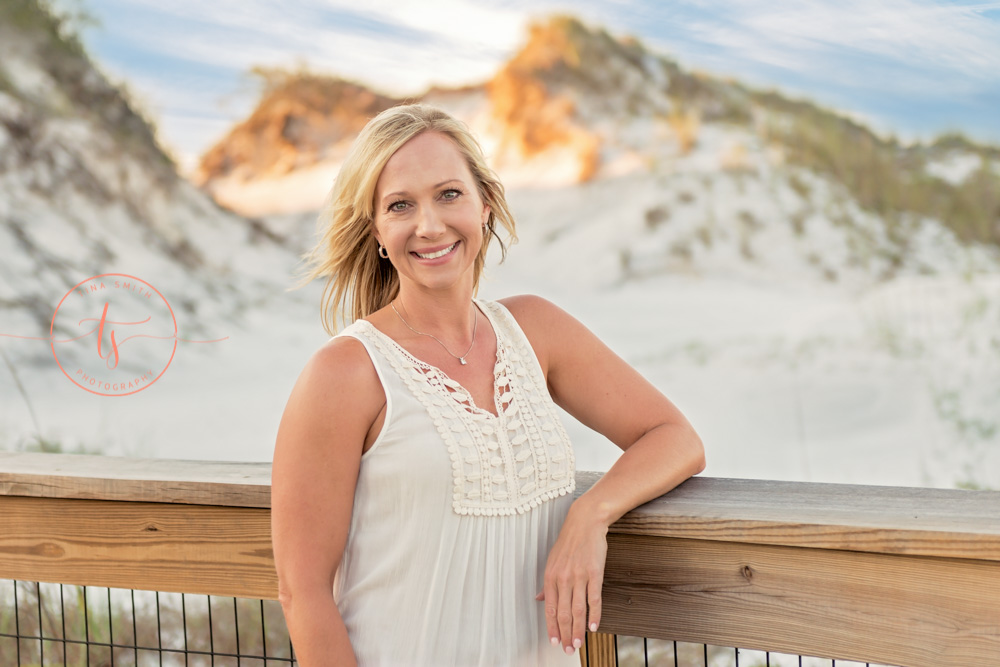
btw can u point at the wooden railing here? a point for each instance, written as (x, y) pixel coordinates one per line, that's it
(890, 575)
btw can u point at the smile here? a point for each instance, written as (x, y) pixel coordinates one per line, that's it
(439, 253)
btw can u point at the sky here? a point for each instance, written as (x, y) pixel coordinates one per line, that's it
(913, 68)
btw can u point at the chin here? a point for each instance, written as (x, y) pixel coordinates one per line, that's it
(438, 277)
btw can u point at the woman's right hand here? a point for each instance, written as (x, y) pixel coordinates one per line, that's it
(317, 456)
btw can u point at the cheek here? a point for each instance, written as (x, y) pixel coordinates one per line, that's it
(472, 214)
(381, 231)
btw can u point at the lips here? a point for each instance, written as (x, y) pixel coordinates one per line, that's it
(440, 252)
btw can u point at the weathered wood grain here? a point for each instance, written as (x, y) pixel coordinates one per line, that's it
(880, 574)
(923, 522)
(878, 519)
(599, 650)
(890, 609)
(133, 479)
(147, 546)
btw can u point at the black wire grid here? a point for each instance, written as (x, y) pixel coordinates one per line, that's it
(644, 652)
(57, 624)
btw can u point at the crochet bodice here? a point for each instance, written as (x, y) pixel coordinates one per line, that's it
(501, 463)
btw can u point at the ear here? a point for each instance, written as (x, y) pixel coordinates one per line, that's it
(486, 213)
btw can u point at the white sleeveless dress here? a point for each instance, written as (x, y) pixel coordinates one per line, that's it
(455, 512)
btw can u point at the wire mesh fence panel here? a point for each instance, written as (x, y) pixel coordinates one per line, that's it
(56, 624)
(61, 624)
(644, 652)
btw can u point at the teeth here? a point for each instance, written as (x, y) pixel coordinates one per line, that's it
(439, 253)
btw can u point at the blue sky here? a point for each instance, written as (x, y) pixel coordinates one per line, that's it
(915, 68)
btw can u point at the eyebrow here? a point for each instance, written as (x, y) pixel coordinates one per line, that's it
(403, 193)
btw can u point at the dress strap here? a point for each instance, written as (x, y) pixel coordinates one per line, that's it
(357, 331)
(502, 464)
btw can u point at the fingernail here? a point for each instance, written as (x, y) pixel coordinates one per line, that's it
(577, 643)
(593, 627)
(569, 650)
(554, 640)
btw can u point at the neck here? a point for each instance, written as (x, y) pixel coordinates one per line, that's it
(446, 315)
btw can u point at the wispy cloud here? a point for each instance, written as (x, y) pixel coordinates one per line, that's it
(402, 47)
(916, 67)
(910, 32)
(924, 38)
(184, 58)
(877, 58)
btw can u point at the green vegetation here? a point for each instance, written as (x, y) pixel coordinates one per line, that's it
(625, 261)
(970, 427)
(955, 141)
(802, 189)
(52, 39)
(59, 29)
(37, 442)
(322, 92)
(717, 101)
(704, 234)
(6, 85)
(657, 216)
(749, 221)
(681, 249)
(47, 445)
(969, 485)
(798, 222)
(883, 176)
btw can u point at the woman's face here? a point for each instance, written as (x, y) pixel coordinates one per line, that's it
(428, 213)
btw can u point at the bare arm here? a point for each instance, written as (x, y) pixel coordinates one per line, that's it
(317, 457)
(661, 450)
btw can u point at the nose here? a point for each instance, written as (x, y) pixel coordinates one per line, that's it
(429, 223)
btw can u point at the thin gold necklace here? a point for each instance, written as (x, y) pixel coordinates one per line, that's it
(475, 326)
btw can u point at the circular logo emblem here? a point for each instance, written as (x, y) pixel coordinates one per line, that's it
(113, 334)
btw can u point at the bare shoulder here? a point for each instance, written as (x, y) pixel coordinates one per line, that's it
(342, 362)
(544, 323)
(527, 305)
(337, 388)
(343, 359)
(537, 313)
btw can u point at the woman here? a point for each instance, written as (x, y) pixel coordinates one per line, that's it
(422, 505)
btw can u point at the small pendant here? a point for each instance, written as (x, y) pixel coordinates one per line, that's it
(462, 359)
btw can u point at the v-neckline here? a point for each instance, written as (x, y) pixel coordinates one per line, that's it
(496, 363)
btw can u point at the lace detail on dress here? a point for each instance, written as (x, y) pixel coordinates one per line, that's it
(501, 464)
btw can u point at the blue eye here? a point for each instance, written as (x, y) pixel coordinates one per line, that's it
(451, 194)
(396, 206)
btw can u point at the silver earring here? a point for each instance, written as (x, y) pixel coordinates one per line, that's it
(382, 252)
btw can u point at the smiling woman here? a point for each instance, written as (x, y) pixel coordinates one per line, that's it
(434, 231)
(422, 487)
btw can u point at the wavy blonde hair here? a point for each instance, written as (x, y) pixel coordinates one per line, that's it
(347, 251)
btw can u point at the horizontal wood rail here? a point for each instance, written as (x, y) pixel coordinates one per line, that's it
(889, 575)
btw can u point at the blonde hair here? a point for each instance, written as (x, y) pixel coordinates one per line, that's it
(347, 251)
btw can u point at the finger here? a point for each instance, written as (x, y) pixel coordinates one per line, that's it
(564, 613)
(579, 608)
(540, 596)
(551, 622)
(594, 600)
